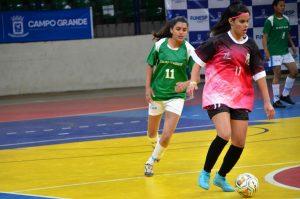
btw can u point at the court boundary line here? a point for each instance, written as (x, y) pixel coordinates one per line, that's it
(143, 177)
(75, 115)
(106, 135)
(270, 178)
(96, 136)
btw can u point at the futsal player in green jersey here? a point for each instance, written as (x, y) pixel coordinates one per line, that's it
(276, 38)
(168, 61)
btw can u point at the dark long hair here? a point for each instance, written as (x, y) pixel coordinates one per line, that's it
(165, 30)
(275, 2)
(223, 24)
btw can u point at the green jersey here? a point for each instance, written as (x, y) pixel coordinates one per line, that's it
(170, 66)
(277, 30)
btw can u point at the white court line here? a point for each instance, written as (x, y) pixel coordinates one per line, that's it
(270, 178)
(63, 134)
(82, 127)
(75, 115)
(118, 123)
(101, 125)
(134, 121)
(94, 136)
(99, 136)
(11, 133)
(47, 130)
(66, 128)
(143, 177)
(30, 131)
(73, 138)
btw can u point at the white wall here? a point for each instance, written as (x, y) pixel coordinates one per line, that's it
(73, 65)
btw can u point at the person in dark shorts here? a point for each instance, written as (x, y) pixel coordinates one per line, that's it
(231, 60)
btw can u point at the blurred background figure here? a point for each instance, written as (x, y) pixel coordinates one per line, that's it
(276, 40)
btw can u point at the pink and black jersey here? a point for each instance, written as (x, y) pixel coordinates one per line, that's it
(230, 67)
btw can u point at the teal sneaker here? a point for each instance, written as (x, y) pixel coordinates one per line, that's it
(221, 182)
(203, 179)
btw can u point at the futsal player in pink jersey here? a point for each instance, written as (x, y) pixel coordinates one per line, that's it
(231, 60)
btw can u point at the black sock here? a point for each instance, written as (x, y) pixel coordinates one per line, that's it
(213, 153)
(232, 156)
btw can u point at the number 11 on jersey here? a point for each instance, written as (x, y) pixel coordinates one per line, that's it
(170, 74)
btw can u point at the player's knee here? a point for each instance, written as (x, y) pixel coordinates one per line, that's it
(276, 79)
(225, 136)
(152, 134)
(165, 139)
(294, 74)
(238, 143)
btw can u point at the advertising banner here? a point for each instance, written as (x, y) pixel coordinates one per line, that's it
(202, 15)
(29, 26)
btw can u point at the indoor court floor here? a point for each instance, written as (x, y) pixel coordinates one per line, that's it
(93, 145)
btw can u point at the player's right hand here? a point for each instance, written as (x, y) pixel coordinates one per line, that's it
(191, 88)
(148, 95)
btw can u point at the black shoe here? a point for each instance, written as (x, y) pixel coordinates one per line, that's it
(278, 104)
(287, 99)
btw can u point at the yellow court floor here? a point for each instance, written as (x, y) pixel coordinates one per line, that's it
(113, 168)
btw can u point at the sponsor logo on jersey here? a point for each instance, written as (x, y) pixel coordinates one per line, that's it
(170, 62)
(227, 56)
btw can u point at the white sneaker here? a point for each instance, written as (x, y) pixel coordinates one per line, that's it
(148, 170)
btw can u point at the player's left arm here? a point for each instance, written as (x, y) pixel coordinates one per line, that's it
(262, 85)
(259, 75)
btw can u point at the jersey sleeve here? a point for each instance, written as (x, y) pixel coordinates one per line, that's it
(256, 62)
(204, 52)
(153, 56)
(190, 60)
(267, 27)
(288, 21)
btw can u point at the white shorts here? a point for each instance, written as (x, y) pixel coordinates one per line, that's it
(278, 60)
(172, 105)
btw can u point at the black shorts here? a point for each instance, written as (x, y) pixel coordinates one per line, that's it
(235, 114)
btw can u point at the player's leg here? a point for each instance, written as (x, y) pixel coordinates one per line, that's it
(239, 125)
(289, 62)
(153, 126)
(221, 118)
(155, 111)
(276, 62)
(172, 114)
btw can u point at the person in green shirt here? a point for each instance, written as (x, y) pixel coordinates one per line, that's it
(168, 61)
(276, 38)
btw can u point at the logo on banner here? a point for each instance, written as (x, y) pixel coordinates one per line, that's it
(258, 35)
(290, 13)
(178, 1)
(199, 18)
(217, 18)
(17, 27)
(263, 14)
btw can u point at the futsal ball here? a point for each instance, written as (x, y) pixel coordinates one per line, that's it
(246, 185)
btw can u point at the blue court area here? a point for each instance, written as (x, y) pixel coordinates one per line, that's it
(111, 125)
(17, 196)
